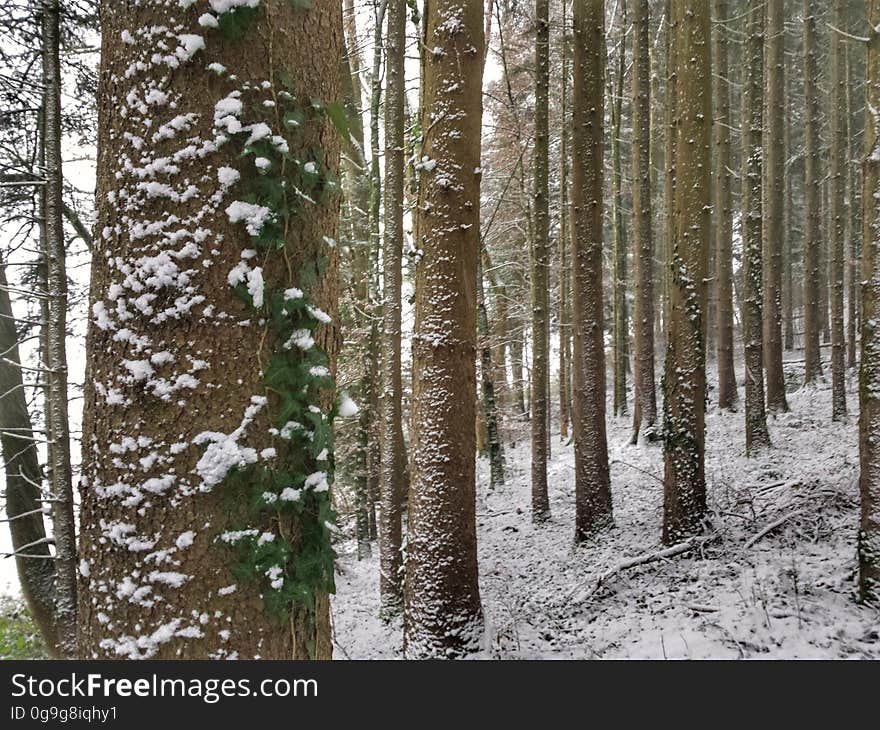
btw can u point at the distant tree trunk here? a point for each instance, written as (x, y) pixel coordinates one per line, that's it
(869, 374)
(487, 387)
(393, 464)
(443, 616)
(685, 374)
(812, 201)
(540, 267)
(727, 392)
(592, 482)
(773, 191)
(788, 227)
(670, 122)
(838, 214)
(853, 218)
(209, 539)
(621, 319)
(61, 485)
(24, 503)
(564, 266)
(645, 408)
(756, 419)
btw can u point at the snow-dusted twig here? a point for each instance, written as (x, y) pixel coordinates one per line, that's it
(643, 559)
(772, 526)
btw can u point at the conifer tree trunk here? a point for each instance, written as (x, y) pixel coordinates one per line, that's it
(621, 319)
(812, 201)
(774, 203)
(487, 387)
(541, 267)
(61, 478)
(209, 539)
(869, 374)
(853, 218)
(788, 227)
(564, 265)
(592, 483)
(443, 616)
(645, 408)
(393, 464)
(837, 241)
(752, 126)
(685, 371)
(670, 122)
(727, 392)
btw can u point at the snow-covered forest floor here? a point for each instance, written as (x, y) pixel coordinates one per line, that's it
(787, 593)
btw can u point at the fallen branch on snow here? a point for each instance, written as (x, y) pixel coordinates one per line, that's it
(772, 526)
(644, 559)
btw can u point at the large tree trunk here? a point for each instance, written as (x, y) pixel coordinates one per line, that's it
(812, 201)
(207, 437)
(592, 483)
(752, 126)
(61, 478)
(869, 375)
(393, 462)
(645, 408)
(774, 203)
(727, 392)
(685, 374)
(541, 267)
(839, 216)
(443, 616)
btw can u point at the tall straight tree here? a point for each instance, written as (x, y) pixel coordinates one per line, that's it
(393, 462)
(213, 309)
(727, 393)
(869, 374)
(592, 481)
(645, 408)
(60, 474)
(442, 615)
(774, 203)
(685, 374)
(812, 199)
(541, 266)
(757, 435)
(838, 223)
(564, 265)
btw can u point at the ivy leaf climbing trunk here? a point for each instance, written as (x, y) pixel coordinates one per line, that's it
(207, 445)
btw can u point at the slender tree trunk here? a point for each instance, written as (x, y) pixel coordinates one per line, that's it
(564, 266)
(592, 482)
(393, 464)
(670, 123)
(443, 616)
(756, 419)
(540, 267)
(853, 217)
(685, 374)
(61, 486)
(812, 201)
(645, 408)
(621, 319)
(869, 374)
(487, 388)
(24, 502)
(773, 191)
(788, 227)
(837, 241)
(727, 392)
(224, 516)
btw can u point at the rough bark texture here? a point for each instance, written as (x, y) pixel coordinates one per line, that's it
(564, 265)
(869, 375)
(812, 201)
(757, 435)
(774, 202)
(393, 464)
(685, 373)
(723, 220)
(839, 214)
(443, 616)
(156, 576)
(23, 504)
(620, 314)
(487, 388)
(592, 484)
(541, 267)
(645, 408)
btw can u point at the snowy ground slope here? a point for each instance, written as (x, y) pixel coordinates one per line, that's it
(789, 594)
